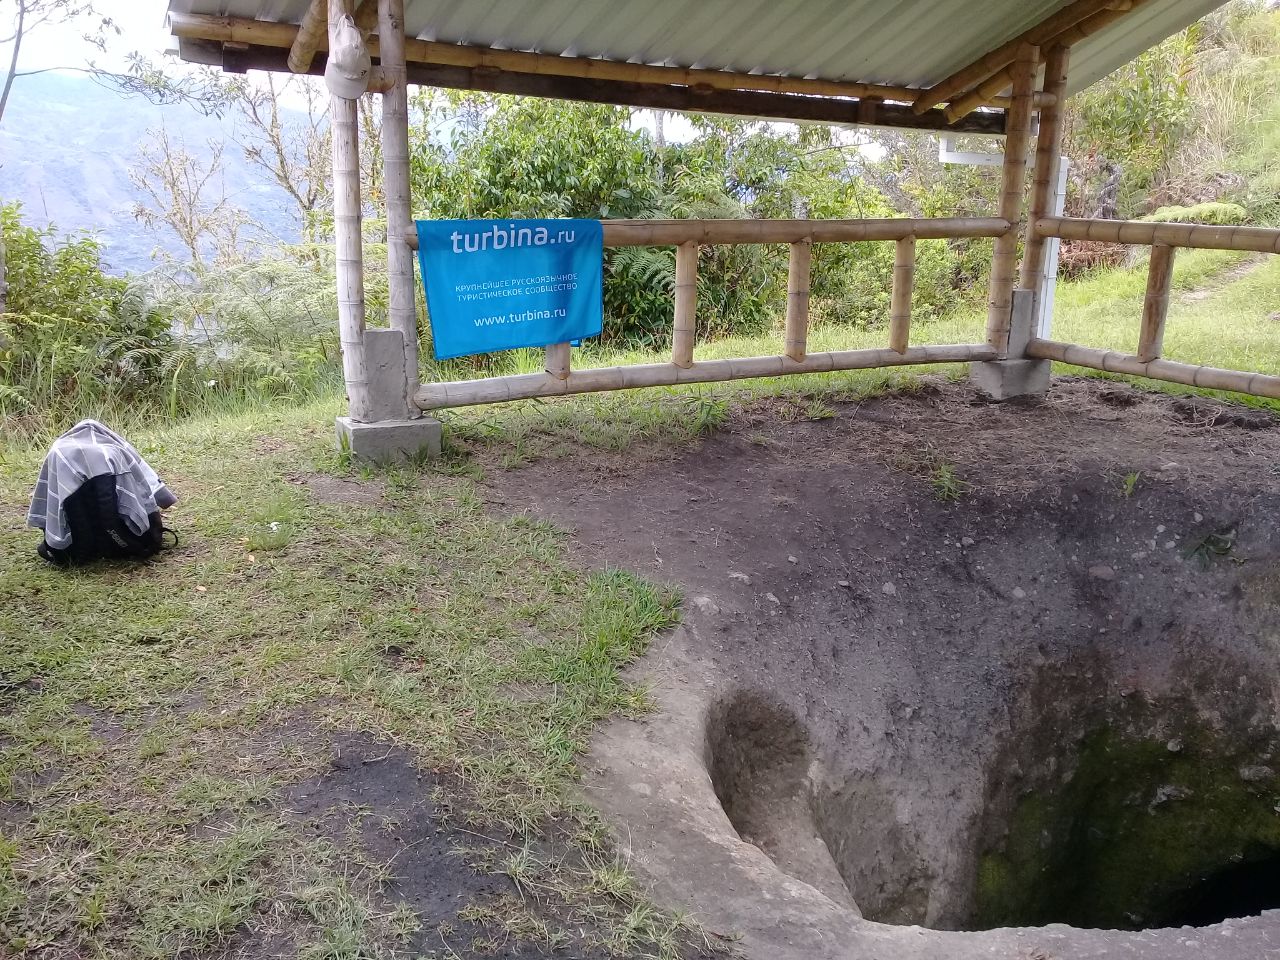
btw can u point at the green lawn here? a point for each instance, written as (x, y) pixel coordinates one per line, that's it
(143, 704)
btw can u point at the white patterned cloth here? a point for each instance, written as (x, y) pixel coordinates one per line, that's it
(89, 450)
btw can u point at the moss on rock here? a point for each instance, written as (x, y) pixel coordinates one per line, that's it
(1129, 832)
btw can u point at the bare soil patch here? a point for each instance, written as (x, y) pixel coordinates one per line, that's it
(909, 628)
(380, 810)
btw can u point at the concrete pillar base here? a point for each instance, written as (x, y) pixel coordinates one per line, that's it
(1002, 379)
(1017, 376)
(390, 441)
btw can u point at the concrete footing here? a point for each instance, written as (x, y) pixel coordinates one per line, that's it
(1018, 375)
(390, 441)
(1002, 379)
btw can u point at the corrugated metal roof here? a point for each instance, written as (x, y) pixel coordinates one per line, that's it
(913, 43)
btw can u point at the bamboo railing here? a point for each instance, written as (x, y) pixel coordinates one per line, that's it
(687, 236)
(1164, 239)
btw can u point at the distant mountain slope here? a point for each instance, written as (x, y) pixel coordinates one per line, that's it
(66, 145)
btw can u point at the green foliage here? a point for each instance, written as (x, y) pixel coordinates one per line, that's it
(71, 332)
(1214, 213)
(79, 343)
(484, 156)
(267, 326)
(1137, 116)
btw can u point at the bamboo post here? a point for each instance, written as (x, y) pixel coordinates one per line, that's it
(1048, 155)
(686, 297)
(1156, 305)
(557, 360)
(904, 278)
(348, 243)
(401, 294)
(1000, 306)
(798, 268)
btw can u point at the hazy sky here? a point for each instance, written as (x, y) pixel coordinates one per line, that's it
(61, 45)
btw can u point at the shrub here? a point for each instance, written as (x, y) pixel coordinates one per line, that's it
(72, 337)
(1216, 214)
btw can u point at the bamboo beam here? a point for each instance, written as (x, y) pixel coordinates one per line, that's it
(747, 103)
(1013, 173)
(267, 33)
(1155, 307)
(1145, 233)
(402, 310)
(349, 245)
(310, 34)
(1048, 155)
(686, 304)
(987, 92)
(904, 271)
(1041, 35)
(662, 233)
(557, 360)
(1209, 378)
(798, 268)
(434, 396)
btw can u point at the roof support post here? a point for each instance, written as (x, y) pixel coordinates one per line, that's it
(1048, 157)
(401, 291)
(1012, 188)
(348, 242)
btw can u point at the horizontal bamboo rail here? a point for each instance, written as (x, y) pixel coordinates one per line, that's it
(1164, 239)
(659, 233)
(1210, 378)
(436, 396)
(688, 236)
(1143, 233)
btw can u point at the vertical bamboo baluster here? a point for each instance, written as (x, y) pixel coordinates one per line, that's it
(348, 243)
(797, 335)
(1017, 135)
(1048, 155)
(904, 279)
(402, 308)
(686, 295)
(558, 360)
(1156, 306)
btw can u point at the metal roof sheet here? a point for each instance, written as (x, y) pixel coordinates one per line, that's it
(913, 43)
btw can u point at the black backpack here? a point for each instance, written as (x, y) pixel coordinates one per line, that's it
(98, 531)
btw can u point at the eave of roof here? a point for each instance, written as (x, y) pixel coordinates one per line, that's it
(893, 44)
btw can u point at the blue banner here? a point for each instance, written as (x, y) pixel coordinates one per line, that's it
(503, 284)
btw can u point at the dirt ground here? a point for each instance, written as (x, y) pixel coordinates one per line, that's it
(879, 606)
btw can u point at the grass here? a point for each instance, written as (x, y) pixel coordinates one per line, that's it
(153, 712)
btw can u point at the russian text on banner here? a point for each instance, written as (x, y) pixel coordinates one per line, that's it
(503, 284)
